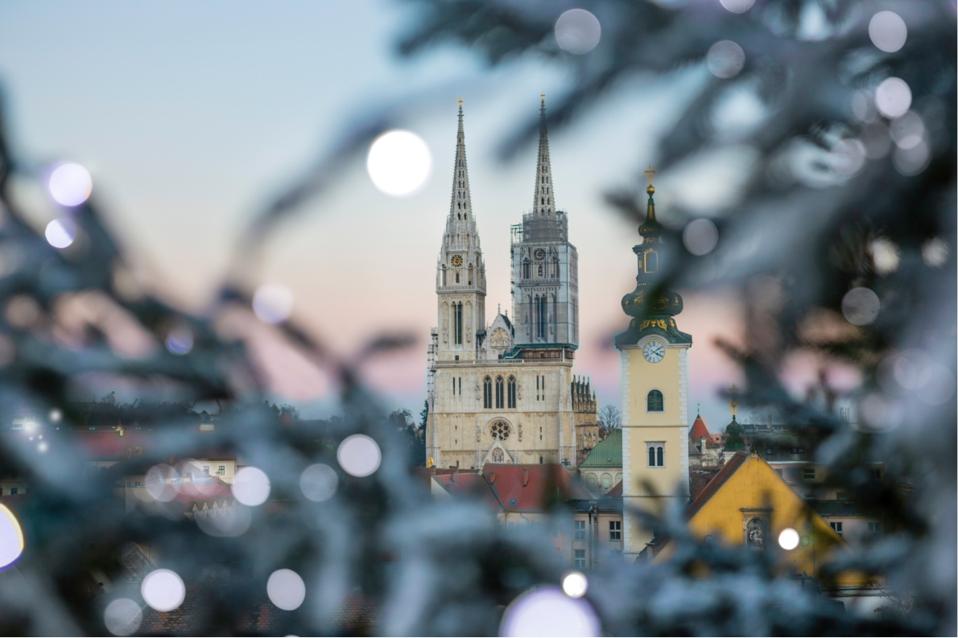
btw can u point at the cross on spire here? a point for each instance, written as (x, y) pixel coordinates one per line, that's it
(544, 202)
(460, 208)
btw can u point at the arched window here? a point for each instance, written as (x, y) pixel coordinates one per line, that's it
(651, 457)
(539, 270)
(656, 452)
(499, 393)
(487, 393)
(457, 275)
(444, 275)
(526, 272)
(512, 392)
(555, 267)
(470, 274)
(497, 456)
(651, 261)
(457, 323)
(654, 402)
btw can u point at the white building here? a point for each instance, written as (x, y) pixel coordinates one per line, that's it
(502, 392)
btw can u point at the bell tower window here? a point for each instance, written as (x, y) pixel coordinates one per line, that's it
(487, 393)
(512, 392)
(654, 402)
(499, 393)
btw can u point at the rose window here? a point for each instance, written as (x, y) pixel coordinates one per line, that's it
(500, 431)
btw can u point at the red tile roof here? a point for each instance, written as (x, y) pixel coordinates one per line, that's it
(531, 488)
(699, 430)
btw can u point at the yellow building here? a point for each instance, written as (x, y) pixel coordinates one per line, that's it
(654, 359)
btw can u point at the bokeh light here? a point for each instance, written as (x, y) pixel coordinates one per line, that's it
(161, 482)
(934, 252)
(700, 236)
(163, 590)
(318, 482)
(251, 486)
(70, 184)
(737, 6)
(55, 415)
(399, 163)
(286, 589)
(912, 161)
(359, 455)
(575, 584)
(226, 522)
(788, 539)
(908, 131)
(179, 340)
(547, 611)
(273, 303)
(60, 233)
(888, 32)
(725, 59)
(884, 255)
(122, 617)
(577, 31)
(11, 537)
(860, 306)
(893, 97)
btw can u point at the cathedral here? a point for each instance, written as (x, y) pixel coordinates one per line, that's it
(504, 392)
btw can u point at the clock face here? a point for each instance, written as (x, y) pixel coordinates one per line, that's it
(457, 260)
(540, 254)
(654, 351)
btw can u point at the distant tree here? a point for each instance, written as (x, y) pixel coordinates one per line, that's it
(610, 418)
(423, 415)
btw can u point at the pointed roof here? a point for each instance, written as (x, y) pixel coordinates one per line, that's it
(460, 206)
(544, 202)
(650, 228)
(607, 453)
(699, 431)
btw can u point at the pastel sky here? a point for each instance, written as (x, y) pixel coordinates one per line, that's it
(191, 114)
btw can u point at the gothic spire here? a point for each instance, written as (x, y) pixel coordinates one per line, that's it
(460, 208)
(544, 203)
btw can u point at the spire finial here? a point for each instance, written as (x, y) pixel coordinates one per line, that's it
(544, 202)
(460, 208)
(733, 402)
(650, 176)
(698, 409)
(649, 227)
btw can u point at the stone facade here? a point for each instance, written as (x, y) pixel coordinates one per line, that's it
(496, 394)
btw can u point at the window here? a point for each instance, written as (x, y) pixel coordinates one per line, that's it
(615, 530)
(555, 267)
(579, 559)
(656, 454)
(512, 392)
(838, 526)
(487, 393)
(526, 268)
(499, 399)
(498, 456)
(457, 322)
(580, 530)
(651, 261)
(443, 275)
(874, 527)
(500, 430)
(457, 276)
(221, 470)
(14, 491)
(540, 387)
(470, 274)
(808, 474)
(654, 402)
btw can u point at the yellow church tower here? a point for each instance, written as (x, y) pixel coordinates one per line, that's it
(654, 358)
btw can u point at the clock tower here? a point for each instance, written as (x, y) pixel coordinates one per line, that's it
(654, 359)
(460, 271)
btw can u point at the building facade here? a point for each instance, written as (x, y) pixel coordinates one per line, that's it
(503, 392)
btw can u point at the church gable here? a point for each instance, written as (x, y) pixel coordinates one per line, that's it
(497, 454)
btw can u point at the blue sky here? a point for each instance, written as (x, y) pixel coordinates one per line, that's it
(190, 114)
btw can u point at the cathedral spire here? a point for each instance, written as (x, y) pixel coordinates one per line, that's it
(460, 208)
(544, 203)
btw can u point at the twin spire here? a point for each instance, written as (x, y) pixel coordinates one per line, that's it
(460, 207)
(544, 203)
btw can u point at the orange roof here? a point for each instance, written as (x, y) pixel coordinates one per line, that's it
(699, 431)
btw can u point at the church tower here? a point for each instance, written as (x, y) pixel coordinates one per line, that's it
(654, 359)
(460, 271)
(545, 280)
